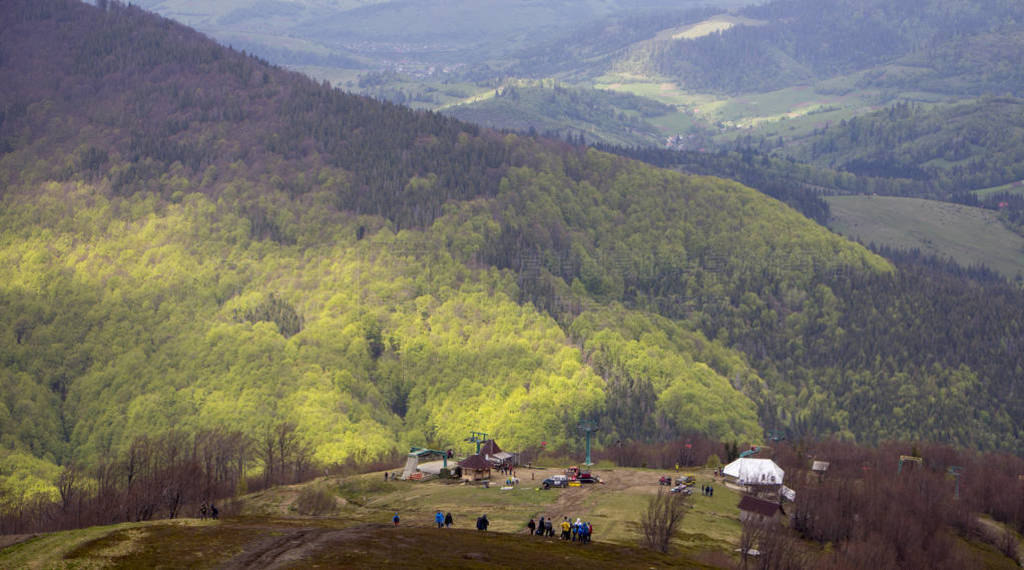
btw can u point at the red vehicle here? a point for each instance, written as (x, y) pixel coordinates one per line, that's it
(574, 473)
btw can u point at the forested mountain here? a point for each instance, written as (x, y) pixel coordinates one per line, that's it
(415, 34)
(940, 45)
(946, 149)
(193, 238)
(941, 152)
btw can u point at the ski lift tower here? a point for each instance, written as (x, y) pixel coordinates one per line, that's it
(477, 437)
(908, 458)
(955, 471)
(588, 427)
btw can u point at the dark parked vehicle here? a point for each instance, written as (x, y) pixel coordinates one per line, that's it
(556, 481)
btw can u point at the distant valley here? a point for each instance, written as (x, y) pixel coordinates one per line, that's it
(776, 79)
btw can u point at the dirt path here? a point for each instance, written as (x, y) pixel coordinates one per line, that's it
(995, 533)
(12, 539)
(285, 550)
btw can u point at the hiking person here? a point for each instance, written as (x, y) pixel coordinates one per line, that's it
(549, 527)
(448, 520)
(565, 528)
(439, 519)
(482, 523)
(540, 527)
(394, 519)
(532, 526)
(213, 511)
(202, 511)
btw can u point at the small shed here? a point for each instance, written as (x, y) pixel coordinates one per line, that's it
(475, 468)
(757, 510)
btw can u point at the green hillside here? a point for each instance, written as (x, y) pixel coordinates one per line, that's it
(803, 41)
(194, 239)
(414, 34)
(205, 279)
(597, 115)
(960, 147)
(971, 236)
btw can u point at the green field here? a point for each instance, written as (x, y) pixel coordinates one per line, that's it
(1012, 188)
(967, 235)
(790, 112)
(265, 528)
(655, 88)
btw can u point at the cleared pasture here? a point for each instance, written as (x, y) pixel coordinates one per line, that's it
(970, 236)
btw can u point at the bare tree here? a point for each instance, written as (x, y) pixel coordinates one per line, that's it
(777, 548)
(287, 440)
(67, 486)
(662, 518)
(281, 452)
(1007, 544)
(268, 455)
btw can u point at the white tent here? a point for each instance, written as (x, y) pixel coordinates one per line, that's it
(752, 471)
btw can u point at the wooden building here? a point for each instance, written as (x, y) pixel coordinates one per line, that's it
(475, 468)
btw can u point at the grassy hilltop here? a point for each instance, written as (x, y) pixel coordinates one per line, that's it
(345, 521)
(274, 527)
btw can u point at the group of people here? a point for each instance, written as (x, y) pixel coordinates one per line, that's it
(708, 490)
(542, 528)
(579, 531)
(443, 520)
(482, 523)
(211, 510)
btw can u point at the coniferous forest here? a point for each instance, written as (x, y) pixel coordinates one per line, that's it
(195, 242)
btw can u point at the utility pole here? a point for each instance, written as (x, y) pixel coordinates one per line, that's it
(955, 470)
(588, 427)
